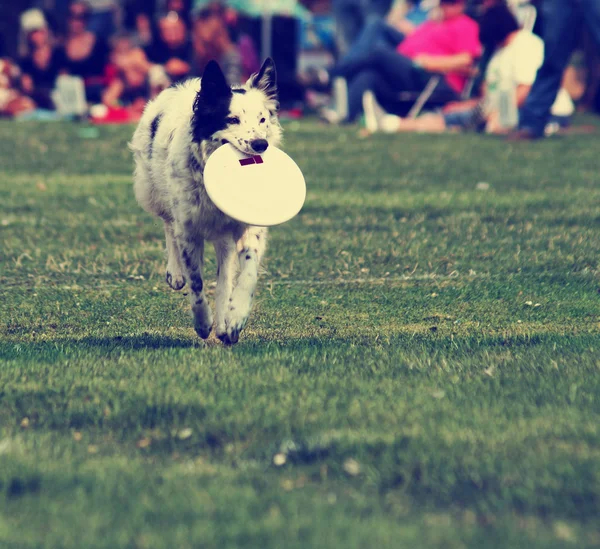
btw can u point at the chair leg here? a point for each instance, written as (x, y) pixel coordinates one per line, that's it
(424, 97)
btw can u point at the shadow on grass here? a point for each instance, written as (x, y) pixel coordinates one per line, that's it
(61, 347)
(137, 342)
(450, 345)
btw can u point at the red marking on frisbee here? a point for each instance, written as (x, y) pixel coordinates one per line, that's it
(252, 160)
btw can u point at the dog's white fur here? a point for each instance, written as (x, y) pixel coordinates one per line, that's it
(171, 146)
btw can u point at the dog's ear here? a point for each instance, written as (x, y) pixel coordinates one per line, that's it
(211, 104)
(265, 79)
(213, 86)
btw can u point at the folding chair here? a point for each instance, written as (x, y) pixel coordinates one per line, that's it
(424, 96)
(427, 93)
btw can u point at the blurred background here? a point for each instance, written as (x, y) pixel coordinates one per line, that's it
(103, 59)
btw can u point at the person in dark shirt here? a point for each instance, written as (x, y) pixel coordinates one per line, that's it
(43, 61)
(172, 47)
(86, 55)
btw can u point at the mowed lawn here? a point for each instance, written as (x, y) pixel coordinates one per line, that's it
(421, 369)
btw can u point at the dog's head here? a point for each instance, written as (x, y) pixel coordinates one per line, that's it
(245, 116)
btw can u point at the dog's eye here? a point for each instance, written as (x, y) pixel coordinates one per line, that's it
(262, 120)
(233, 120)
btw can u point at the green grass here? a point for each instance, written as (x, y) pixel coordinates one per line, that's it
(421, 369)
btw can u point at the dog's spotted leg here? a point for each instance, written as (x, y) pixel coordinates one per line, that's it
(174, 276)
(226, 252)
(251, 247)
(192, 256)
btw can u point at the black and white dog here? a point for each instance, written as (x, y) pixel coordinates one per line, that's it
(178, 131)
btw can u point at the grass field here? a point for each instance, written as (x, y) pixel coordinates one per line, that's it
(422, 367)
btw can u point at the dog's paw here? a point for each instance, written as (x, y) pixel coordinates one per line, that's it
(235, 321)
(203, 321)
(221, 330)
(226, 339)
(175, 280)
(203, 330)
(232, 335)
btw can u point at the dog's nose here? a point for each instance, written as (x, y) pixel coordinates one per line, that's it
(259, 145)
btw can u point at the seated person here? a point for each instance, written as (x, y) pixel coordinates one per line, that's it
(513, 67)
(135, 78)
(402, 20)
(86, 54)
(43, 61)
(211, 40)
(171, 48)
(12, 101)
(448, 46)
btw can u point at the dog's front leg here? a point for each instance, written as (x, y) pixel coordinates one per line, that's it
(226, 252)
(174, 276)
(191, 247)
(251, 247)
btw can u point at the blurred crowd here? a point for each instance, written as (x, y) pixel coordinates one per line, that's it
(120, 67)
(468, 65)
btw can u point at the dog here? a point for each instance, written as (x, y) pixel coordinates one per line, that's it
(176, 135)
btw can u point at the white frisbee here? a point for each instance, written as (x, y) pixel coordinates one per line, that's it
(264, 190)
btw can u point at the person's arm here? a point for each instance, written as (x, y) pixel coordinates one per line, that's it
(461, 62)
(23, 77)
(405, 26)
(140, 59)
(493, 123)
(468, 104)
(27, 84)
(177, 67)
(113, 92)
(522, 93)
(461, 106)
(396, 18)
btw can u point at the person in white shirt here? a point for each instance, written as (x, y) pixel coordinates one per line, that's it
(508, 79)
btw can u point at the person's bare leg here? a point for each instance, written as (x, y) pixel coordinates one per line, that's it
(427, 123)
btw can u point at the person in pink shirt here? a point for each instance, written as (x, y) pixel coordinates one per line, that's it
(448, 46)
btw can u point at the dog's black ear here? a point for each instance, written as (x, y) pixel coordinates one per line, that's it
(265, 79)
(213, 86)
(212, 103)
